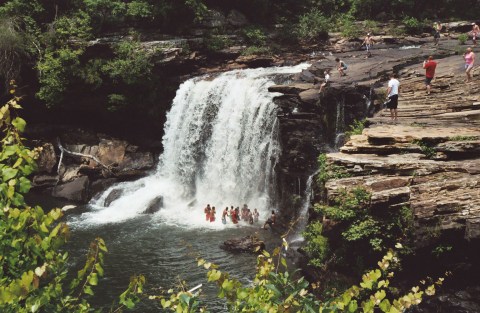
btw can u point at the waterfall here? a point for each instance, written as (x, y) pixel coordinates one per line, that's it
(296, 238)
(220, 147)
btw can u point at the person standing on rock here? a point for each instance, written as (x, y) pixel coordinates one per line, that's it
(469, 58)
(475, 33)
(437, 28)
(392, 96)
(341, 67)
(368, 43)
(429, 65)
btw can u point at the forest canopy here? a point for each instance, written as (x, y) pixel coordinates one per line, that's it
(50, 39)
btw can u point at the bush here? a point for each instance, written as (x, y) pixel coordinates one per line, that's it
(254, 36)
(214, 42)
(33, 267)
(462, 39)
(347, 26)
(254, 50)
(317, 245)
(313, 25)
(413, 25)
(356, 128)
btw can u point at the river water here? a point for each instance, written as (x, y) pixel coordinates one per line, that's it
(220, 147)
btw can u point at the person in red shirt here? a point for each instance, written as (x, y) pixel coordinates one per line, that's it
(429, 66)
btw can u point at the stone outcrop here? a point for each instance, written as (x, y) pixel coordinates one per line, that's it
(81, 177)
(428, 161)
(245, 244)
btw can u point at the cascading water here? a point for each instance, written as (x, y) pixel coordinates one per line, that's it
(220, 147)
(296, 238)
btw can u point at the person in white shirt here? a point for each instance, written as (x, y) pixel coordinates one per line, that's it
(392, 96)
(327, 78)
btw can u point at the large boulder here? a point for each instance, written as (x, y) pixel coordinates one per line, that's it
(246, 244)
(111, 151)
(76, 190)
(46, 159)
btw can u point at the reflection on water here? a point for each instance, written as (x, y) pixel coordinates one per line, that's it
(164, 254)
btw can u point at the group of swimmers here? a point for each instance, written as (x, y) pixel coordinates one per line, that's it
(235, 214)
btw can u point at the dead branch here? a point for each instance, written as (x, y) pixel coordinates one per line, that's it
(63, 151)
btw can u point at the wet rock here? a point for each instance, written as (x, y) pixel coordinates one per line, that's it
(154, 205)
(292, 89)
(100, 185)
(135, 164)
(76, 190)
(112, 196)
(246, 244)
(47, 159)
(472, 230)
(254, 61)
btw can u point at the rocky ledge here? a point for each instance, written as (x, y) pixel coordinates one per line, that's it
(427, 161)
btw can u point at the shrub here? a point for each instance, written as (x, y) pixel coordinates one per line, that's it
(254, 36)
(274, 289)
(313, 25)
(347, 26)
(356, 128)
(413, 25)
(462, 39)
(317, 245)
(254, 50)
(214, 42)
(33, 267)
(370, 26)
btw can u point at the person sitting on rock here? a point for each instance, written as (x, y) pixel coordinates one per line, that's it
(341, 67)
(270, 221)
(325, 82)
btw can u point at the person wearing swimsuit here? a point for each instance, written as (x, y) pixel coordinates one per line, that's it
(207, 211)
(212, 215)
(469, 58)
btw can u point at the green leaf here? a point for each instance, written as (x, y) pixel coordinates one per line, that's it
(88, 290)
(93, 279)
(352, 306)
(24, 185)
(19, 123)
(385, 306)
(8, 173)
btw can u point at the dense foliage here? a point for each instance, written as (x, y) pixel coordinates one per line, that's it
(33, 267)
(274, 289)
(54, 38)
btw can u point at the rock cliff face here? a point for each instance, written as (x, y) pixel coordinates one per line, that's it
(309, 123)
(428, 161)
